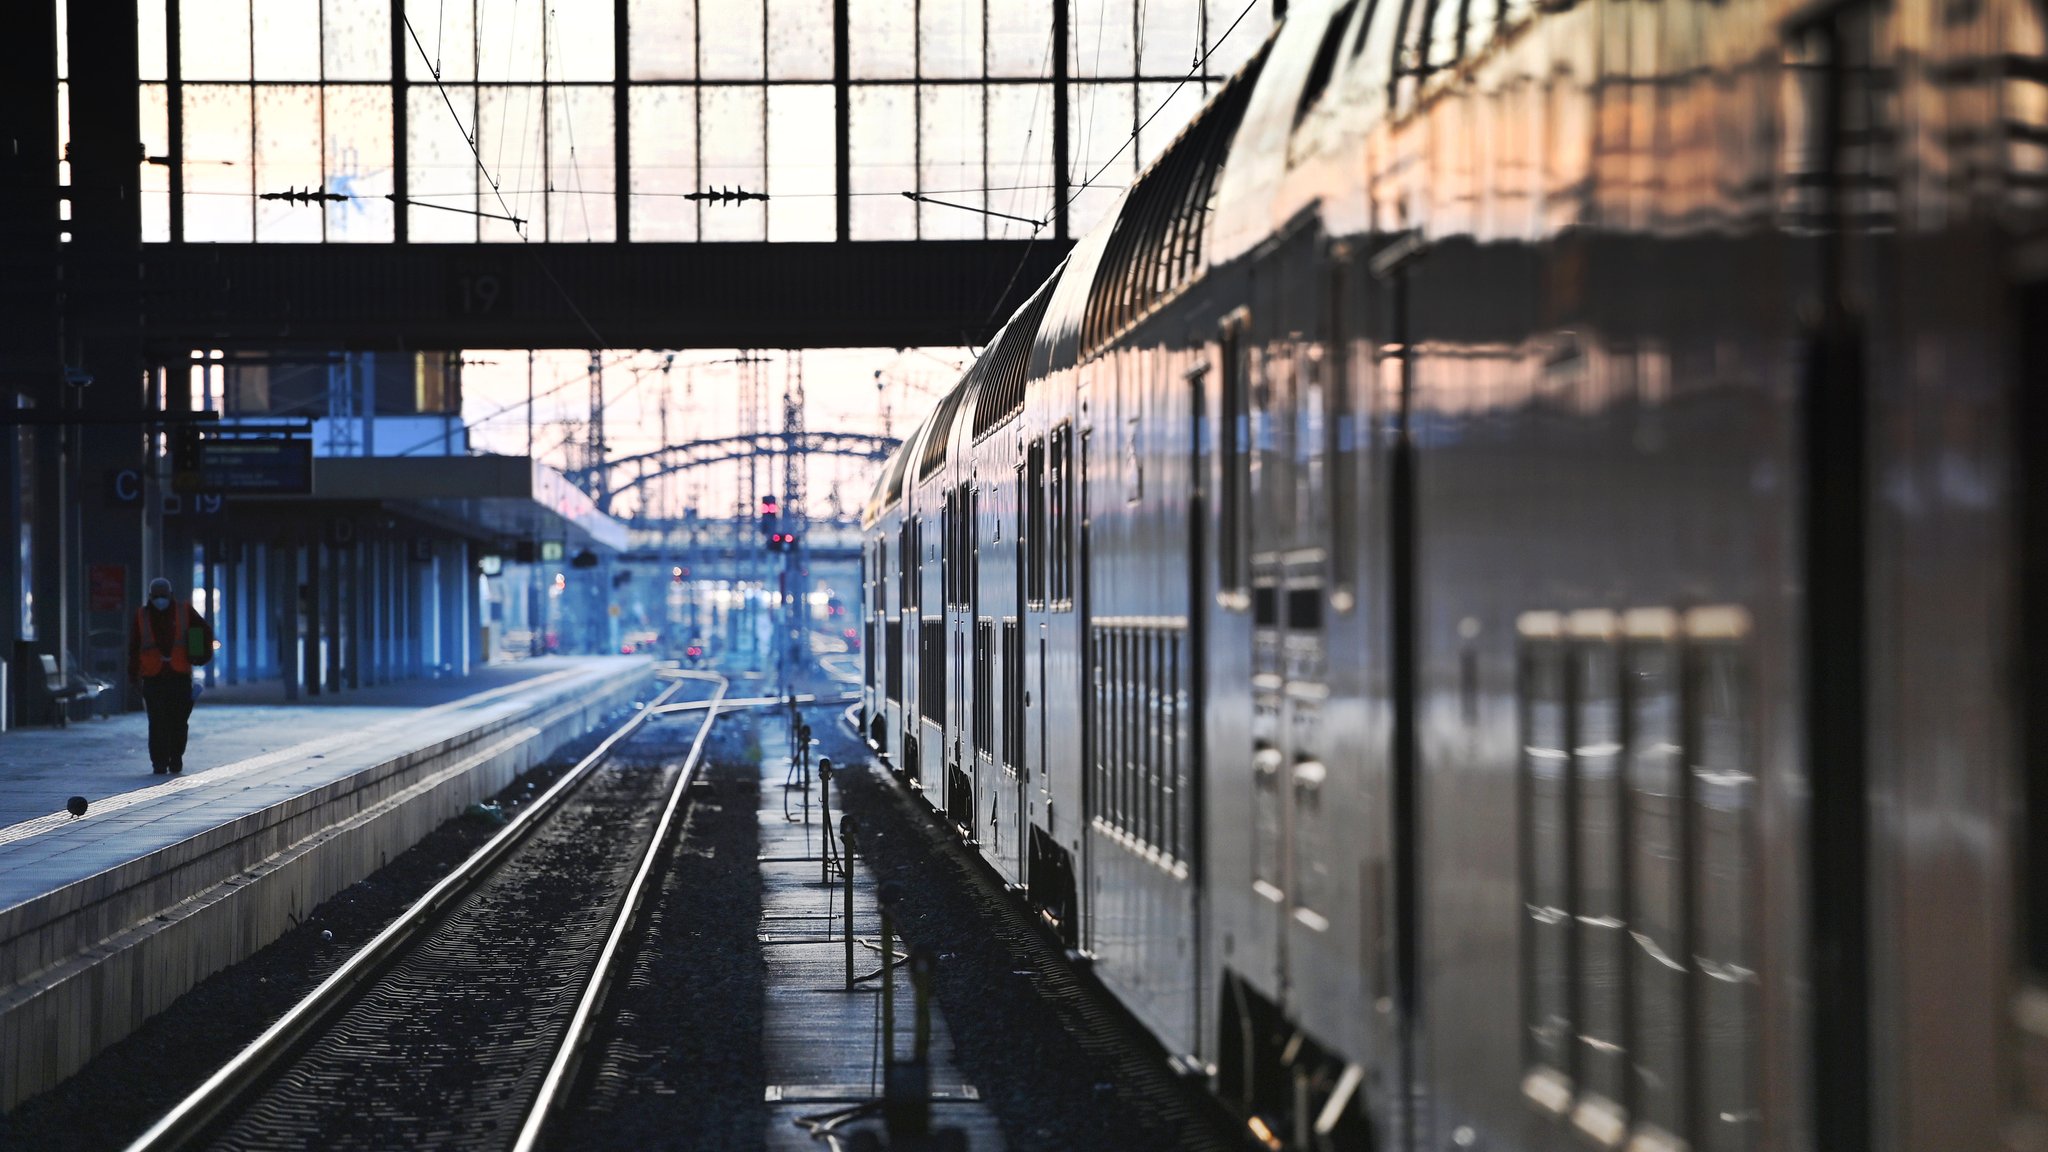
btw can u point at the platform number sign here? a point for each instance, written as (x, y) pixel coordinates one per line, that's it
(477, 295)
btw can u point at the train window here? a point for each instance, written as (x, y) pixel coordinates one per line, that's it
(984, 688)
(931, 669)
(949, 551)
(1723, 812)
(1547, 928)
(1446, 33)
(970, 528)
(1060, 526)
(1373, 46)
(1305, 609)
(892, 661)
(1013, 695)
(1177, 769)
(1233, 444)
(1659, 964)
(1638, 796)
(1325, 60)
(1137, 775)
(1482, 17)
(1035, 532)
(1597, 907)
(903, 564)
(1342, 439)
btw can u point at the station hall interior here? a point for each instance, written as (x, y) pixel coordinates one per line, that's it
(1340, 575)
(421, 243)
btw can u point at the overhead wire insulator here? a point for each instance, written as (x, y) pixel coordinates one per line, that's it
(307, 196)
(724, 195)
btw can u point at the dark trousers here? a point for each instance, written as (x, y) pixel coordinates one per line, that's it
(168, 698)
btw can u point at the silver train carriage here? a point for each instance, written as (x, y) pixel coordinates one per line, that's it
(1493, 599)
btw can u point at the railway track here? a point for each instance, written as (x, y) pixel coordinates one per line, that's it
(463, 1024)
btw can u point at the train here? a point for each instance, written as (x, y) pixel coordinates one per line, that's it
(1497, 601)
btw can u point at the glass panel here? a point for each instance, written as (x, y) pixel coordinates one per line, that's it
(581, 169)
(949, 38)
(1019, 142)
(217, 170)
(287, 38)
(1601, 924)
(24, 542)
(1102, 166)
(882, 39)
(800, 39)
(1444, 46)
(152, 53)
(1375, 45)
(1547, 928)
(213, 39)
(1724, 795)
(288, 157)
(1479, 24)
(730, 41)
(800, 165)
(1103, 35)
(359, 163)
(64, 134)
(664, 39)
(1020, 38)
(734, 145)
(580, 43)
(882, 151)
(1170, 39)
(515, 145)
(155, 180)
(1235, 32)
(1162, 127)
(439, 169)
(509, 48)
(447, 40)
(950, 161)
(356, 39)
(663, 127)
(1657, 887)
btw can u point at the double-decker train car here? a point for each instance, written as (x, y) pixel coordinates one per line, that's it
(1499, 598)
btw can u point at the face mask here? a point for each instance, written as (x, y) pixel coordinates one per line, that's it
(161, 603)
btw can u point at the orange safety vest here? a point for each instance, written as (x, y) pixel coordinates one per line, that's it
(152, 654)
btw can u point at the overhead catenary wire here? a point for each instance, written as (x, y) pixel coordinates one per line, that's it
(468, 134)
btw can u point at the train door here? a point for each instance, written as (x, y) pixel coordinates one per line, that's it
(2029, 1095)
(1079, 590)
(1270, 416)
(1016, 693)
(1834, 461)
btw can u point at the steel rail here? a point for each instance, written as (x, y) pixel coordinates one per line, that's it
(192, 1116)
(554, 1087)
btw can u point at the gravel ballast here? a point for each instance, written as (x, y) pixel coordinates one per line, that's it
(1064, 1068)
(123, 1090)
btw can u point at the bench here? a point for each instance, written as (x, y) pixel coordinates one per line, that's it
(63, 690)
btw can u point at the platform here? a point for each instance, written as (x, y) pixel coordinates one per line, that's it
(822, 1044)
(106, 919)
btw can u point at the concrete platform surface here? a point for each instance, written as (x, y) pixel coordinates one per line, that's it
(822, 1044)
(243, 757)
(104, 920)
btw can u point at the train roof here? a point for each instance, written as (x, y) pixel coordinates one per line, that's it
(1154, 242)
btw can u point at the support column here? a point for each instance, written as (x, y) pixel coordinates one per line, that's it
(842, 120)
(101, 328)
(1061, 145)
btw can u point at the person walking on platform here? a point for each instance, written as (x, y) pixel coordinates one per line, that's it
(169, 639)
